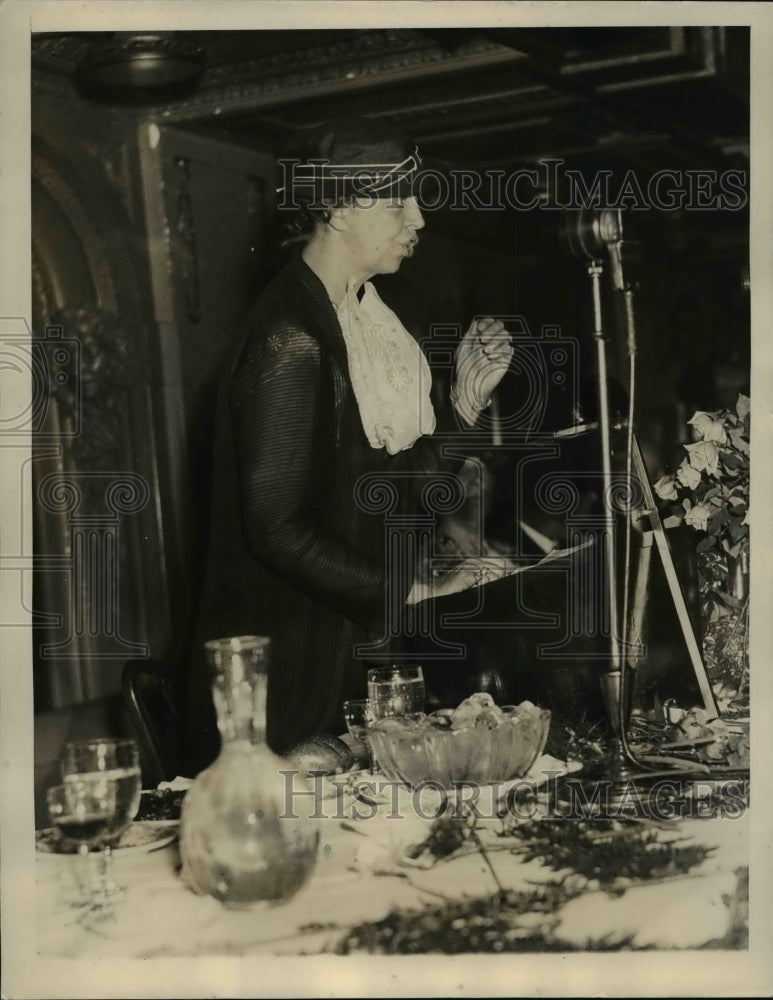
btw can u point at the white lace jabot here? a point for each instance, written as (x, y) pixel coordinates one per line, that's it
(389, 373)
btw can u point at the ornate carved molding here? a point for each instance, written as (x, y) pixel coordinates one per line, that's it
(369, 57)
(691, 54)
(390, 54)
(93, 245)
(42, 294)
(344, 71)
(484, 110)
(112, 153)
(98, 379)
(185, 240)
(393, 45)
(59, 52)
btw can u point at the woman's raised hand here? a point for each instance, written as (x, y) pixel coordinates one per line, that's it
(482, 358)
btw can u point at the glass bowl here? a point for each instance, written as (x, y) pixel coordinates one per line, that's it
(415, 750)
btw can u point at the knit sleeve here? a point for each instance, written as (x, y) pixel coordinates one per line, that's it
(276, 393)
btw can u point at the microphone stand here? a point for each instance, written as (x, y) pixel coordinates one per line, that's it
(622, 769)
(619, 759)
(611, 679)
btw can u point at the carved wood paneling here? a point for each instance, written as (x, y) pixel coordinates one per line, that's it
(184, 230)
(88, 237)
(206, 268)
(97, 424)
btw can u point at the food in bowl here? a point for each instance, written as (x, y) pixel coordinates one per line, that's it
(478, 741)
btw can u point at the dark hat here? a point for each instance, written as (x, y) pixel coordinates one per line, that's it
(352, 156)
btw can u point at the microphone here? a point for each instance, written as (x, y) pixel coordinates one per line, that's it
(586, 232)
(589, 233)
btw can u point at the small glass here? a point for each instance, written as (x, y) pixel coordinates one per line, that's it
(119, 761)
(358, 718)
(394, 691)
(82, 812)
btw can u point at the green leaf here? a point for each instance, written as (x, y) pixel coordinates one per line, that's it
(739, 440)
(706, 543)
(738, 530)
(728, 599)
(731, 460)
(732, 550)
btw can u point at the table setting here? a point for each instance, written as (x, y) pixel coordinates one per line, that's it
(449, 832)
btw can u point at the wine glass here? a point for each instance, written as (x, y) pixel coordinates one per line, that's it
(117, 760)
(357, 716)
(394, 691)
(82, 811)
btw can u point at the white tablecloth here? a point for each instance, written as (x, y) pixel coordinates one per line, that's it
(362, 873)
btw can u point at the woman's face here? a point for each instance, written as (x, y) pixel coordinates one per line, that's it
(381, 233)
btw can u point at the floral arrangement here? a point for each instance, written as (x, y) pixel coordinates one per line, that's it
(710, 492)
(711, 486)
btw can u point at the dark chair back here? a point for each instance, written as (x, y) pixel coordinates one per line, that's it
(148, 691)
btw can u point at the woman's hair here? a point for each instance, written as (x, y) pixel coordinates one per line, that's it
(299, 224)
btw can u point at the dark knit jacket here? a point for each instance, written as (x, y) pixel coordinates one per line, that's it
(297, 548)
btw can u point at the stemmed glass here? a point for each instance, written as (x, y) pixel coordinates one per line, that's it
(358, 718)
(82, 812)
(116, 760)
(394, 691)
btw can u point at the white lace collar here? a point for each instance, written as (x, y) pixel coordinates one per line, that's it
(389, 373)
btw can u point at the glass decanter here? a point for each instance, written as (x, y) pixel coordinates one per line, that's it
(245, 832)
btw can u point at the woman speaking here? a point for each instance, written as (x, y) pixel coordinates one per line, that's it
(326, 389)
